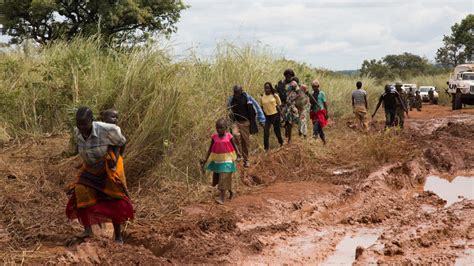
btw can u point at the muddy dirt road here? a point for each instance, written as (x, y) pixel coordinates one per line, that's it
(400, 213)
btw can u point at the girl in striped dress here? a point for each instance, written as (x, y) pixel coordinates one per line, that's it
(222, 155)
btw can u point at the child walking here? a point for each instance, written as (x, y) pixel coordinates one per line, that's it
(222, 155)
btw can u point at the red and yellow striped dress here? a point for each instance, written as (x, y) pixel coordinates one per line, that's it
(223, 155)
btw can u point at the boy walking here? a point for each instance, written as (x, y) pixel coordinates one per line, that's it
(360, 106)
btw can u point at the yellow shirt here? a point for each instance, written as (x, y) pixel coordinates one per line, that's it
(269, 103)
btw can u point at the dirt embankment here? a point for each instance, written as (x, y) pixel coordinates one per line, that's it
(314, 214)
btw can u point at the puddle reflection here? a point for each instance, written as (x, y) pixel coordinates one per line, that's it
(454, 191)
(345, 250)
(466, 259)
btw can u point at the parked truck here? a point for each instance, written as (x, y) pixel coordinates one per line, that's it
(461, 86)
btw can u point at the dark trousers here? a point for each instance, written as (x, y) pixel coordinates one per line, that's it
(275, 121)
(390, 117)
(318, 130)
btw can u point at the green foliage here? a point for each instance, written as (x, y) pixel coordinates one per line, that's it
(401, 66)
(376, 68)
(115, 20)
(458, 47)
(168, 109)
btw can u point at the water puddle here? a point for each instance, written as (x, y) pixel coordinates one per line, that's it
(452, 191)
(307, 247)
(345, 250)
(466, 259)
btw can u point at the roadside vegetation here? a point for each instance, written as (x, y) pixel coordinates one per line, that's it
(167, 108)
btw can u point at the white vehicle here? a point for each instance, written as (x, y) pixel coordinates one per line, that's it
(461, 85)
(425, 95)
(406, 87)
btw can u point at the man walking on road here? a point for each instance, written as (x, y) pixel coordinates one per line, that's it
(401, 105)
(244, 114)
(431, 95)
(411, 98)
(389, 99)
(418, 101)
(360, 106)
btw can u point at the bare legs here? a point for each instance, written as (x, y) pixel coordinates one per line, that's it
(117, 232)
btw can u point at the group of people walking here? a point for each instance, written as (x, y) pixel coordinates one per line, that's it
(287, 105)
(99, 194)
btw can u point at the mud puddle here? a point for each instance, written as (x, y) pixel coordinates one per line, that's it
(452, 191)
(466, 259)
(346, 249)
(307, 246)
(324, 246)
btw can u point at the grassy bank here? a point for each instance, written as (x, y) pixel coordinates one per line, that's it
(167, 108)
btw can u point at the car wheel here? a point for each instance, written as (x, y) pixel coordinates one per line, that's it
(457, 101)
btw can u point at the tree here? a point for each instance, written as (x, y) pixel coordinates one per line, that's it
(393, 66)
(48, 20)
(458, 47)
(407, 64)
(375, 68)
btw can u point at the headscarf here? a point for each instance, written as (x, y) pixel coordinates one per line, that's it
(393, 89)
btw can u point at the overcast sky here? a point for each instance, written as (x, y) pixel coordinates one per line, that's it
(334, 34)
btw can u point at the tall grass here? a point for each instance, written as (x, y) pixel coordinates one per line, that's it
(167, 108)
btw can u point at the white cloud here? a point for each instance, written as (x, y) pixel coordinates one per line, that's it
(324, 47)
(337, 34)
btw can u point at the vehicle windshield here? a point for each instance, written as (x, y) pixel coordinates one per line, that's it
(425, 89)
(468, 76)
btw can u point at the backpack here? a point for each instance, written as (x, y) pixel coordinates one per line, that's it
(252, 114)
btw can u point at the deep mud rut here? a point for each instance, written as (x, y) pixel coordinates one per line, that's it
(385, 217)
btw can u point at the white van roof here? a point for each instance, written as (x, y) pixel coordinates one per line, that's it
(463, 68)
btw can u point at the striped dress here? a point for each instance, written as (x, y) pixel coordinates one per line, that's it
(223, 155)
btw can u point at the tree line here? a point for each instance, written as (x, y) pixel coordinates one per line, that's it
(458, 48)
(130, 22)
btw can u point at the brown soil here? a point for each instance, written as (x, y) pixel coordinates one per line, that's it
(283, 215)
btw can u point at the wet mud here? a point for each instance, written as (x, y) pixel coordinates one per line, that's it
(454, 190)
(415, 211)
